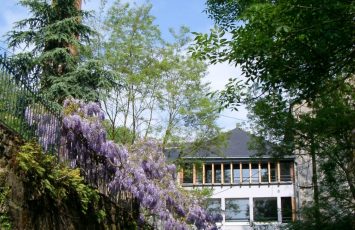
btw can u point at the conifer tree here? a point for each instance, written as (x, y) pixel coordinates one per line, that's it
(50, 41)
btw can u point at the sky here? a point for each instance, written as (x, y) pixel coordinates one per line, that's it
(169, 14)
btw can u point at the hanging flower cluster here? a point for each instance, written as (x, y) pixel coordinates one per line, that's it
(141, 171)
(44, 125)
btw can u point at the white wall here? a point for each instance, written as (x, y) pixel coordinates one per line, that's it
(252, 191)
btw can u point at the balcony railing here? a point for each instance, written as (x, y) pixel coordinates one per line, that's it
(236, 173)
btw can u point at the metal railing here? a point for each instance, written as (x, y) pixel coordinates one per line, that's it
(24, 110)
(27, 112)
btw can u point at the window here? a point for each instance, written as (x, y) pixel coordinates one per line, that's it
(198, 171)
(227, 173)
(208, 174)
(273, 174)
(236, 174)
(285, 171)
(245, 173)
(214, 207)
(265, 209)
(187, 175)
(286, 209)
(264, 173)
(237, 210)
(217, 173)
(254, 173)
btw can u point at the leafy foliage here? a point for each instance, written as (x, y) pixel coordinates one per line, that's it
(120, 135)
(191, 115)
(148, 69)
(10, 102)
(51, 39)
(276, 52)
(131, 46)
(45, 176)
(140, 170)
(5, 222)
(298, 61)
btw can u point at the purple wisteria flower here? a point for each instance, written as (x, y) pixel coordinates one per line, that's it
(46, 126)
(140, 170)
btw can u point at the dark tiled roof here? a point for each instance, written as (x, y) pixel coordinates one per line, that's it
(236, 147)
(237, 143)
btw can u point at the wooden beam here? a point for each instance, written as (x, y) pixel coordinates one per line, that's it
(203, 174)
(292, 172)
(212, 173)
(181, 176)
(278, 172)
(293, 206)
(269, 171)
(193, 174)
(231, 174)
(222, 173)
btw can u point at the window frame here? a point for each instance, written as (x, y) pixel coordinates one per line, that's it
(247, 217)
(289, 218)
(245, 170)
(214, 212)
(264, 178)
(254, 173)
(208, 168)
(227, 167)
(217, 167)
(190, 167)
(265, 219)
(285, 172)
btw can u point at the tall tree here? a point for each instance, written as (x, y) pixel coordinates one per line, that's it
(160, 92)
(320, 131)
(50, 41)
(295, 55)
(190, 114)
(131, 51)
(301, 47)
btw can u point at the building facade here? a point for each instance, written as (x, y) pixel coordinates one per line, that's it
(248, 192)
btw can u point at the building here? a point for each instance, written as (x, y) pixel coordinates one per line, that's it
(249, 192)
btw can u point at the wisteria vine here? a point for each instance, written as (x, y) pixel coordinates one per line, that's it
(45, 126)
(140, 170)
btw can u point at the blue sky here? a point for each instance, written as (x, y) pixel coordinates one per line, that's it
(169, 14)
(174, 13)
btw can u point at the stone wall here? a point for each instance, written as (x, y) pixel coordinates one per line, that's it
(25, 213)
(304, 187)
(13, 206)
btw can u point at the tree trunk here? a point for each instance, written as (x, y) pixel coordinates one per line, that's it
(72, 49)
(167, 134)
(134, 120)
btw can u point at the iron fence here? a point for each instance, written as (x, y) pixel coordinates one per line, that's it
(26, 111)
